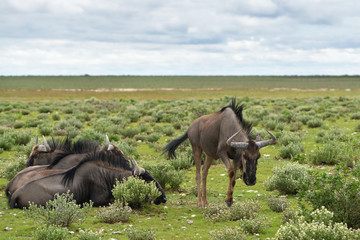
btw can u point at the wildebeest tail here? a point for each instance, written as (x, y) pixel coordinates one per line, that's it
(173, 144)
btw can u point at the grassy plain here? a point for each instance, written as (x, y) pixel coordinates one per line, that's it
(53, 88)
(171, 220)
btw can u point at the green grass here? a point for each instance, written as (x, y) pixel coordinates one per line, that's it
(168, 220)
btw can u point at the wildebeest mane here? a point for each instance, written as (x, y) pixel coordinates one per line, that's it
(238, 110)
(68, 148)
(106, 158)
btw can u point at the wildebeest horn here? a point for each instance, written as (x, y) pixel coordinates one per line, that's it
(37, 140)
(136, 169)
(110, 146)
(242, 145)
(46, 144)
(265, 143)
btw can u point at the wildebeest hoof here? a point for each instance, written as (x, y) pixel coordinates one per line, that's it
(228, 203)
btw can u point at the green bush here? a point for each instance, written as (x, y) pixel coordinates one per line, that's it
(55, 117)
(135, 192)
(183, 160)
(216, 213)
(291, 151)
(45, 130)
(45, 109)
(287, 179)
(130, 131)
(228, 233)
(13, 168)
(62, 211)
(315, 123)
(18, 125)
(140, 234)
(328, 154)
(277, 203)
(154, 137)
(166, 175)
(53, 232)
(89, 235)
(132, 114)
(244, 210)
(287, 138)
(319, 227)
(338, 191)
(355, 116)
(254, 225)
(6, 141)
(116, 212)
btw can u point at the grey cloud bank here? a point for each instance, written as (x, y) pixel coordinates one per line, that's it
(156, 37)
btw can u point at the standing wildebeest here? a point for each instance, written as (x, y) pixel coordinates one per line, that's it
(92, 179)
(214, 134)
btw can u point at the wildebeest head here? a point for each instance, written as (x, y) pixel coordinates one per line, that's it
(249, 156)
(39, 154)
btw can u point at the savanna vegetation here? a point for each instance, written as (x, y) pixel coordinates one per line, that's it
(307, 184)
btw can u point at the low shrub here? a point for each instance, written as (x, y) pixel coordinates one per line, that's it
(153, 137)
(13, 168)
(315, 123)
(55, 117)
(166, 175)
(45, 130)
(134, 192)
(244, 210)
(89, 235)
(6, 141)
(287, 179)
(183, 160)
(62, 211)
(228, 233)
(52, 232)
(129, 132)
(18, 125)
(328, 154)
(338, 191)
(291, 151)
(255, 225)
(216, 213)
(287, 138)
(320, 226)
(45, 109)
(277, 203)
(140, 234)
(116, 212)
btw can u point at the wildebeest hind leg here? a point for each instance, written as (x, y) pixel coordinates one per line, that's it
(197, 159)
(205, 170)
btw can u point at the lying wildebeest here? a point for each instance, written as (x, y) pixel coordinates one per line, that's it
(214, 134)
(64, 155)
(44, 154)
(92, 179)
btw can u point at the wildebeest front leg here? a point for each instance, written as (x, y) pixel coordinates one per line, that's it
(232, 176)
(205, 171)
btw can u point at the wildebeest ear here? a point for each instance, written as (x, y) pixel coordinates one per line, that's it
(258, 138)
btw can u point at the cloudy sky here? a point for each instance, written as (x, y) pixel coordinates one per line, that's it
(187, 37)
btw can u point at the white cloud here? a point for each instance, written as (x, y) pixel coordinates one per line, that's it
(179, 37)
